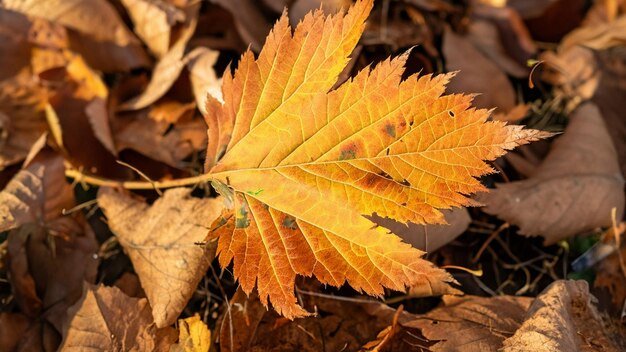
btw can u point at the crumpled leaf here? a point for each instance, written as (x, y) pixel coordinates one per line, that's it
(106, 319)
(12, 327)
(375, 144)
(572, 191)
(153, 20)
(193, 336)
(562, 318)
(161, 242)
(168, 68)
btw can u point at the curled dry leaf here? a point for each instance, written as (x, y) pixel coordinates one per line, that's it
(153, 20)
(562, 318)
(19, 200)
(168, 68)
(193, 336)
(376, 144)
(161, 242)
(106, 319)
(572, 191)
(204, 81)
(477, 74)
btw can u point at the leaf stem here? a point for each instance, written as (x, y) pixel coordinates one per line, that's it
(136, 185)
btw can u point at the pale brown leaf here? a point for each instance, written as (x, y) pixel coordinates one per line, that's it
(202, 75)
(160, 241)
(562, 318)
(106, 319)
(572, 191)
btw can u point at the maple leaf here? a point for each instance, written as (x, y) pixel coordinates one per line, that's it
(302, 165)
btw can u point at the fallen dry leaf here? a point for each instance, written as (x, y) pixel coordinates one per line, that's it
(77, 115)
(21, 96)
(106, 319)
(477, 74)
(162, 245)
(202, 75)
(341, 325)
(608, 97)
(376, 144)
(168, 68)
(249, 20)
(500, 35)
(101, 29)
(562, 318)
(153, 20)
(470, 323)
(572, 191)
(161, 141)
(430, 237)
(193, 336)
(20, 199)
(12, 328)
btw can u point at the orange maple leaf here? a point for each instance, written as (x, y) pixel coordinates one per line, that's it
(301, 164)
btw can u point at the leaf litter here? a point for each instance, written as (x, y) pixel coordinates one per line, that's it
(317, 174)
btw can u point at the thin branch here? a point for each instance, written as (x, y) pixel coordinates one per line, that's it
(102, 182)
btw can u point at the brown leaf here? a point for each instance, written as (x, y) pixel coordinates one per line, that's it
(153, 20)
(500, 34)
(19, 201)
(162, 244)
(106, 319)
(168, 68)
(430, 237)
(470, 323)
(252, 26)
(161, 141)
(609, 97)
(572, 191)
(12, 327)
(341, 325)
(99, 27)
(562, 318)
(477, 74)
(21, 96)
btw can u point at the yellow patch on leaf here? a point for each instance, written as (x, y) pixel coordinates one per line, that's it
(301, 164)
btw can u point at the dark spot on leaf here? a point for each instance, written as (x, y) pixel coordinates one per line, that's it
(289, 222)
(405, 183)
(349, 152)
(403, 204)
(241, 219)
(411, 123)
(390, 130)
(451, 113)
(387, 151)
